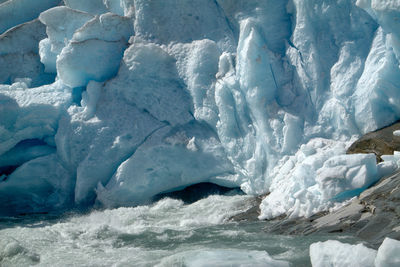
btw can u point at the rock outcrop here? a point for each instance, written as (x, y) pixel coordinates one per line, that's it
(380, 142)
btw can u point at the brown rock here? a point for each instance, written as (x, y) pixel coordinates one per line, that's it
(380, 142)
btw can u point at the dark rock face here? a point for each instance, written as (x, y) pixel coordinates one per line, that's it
(251, 214)
(380, 142)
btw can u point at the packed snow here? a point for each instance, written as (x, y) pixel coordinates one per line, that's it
(116, 101)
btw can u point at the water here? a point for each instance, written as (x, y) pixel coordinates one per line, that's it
(166, 233)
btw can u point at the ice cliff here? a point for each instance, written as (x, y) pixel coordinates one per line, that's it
(111, 102)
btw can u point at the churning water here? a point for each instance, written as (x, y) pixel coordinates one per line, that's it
(166, 233)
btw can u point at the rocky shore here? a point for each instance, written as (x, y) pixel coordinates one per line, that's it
(380, 142)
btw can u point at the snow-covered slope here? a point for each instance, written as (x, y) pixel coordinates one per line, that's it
(152, 96)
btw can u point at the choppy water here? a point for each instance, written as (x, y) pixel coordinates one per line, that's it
(166, 233)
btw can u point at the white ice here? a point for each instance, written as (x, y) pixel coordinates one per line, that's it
(15, 12)
(153, 96)
(222, 258)
(19, 54)
(334, 253)
(388, 253)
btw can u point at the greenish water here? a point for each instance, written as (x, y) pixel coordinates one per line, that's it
(166, 233)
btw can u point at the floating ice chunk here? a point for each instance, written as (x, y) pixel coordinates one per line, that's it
(222, 258)
(92, 59)
(107, 27)
(333, 253)
(14, 12)
(89, 6)
(39, 185)
(388, 253)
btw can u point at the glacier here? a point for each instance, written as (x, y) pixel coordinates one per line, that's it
(108, 103)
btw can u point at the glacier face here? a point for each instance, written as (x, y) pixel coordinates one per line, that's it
(153, 96)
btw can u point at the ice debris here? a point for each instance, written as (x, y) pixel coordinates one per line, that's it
(337, 254)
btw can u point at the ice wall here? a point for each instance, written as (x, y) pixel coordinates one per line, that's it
(152, 96)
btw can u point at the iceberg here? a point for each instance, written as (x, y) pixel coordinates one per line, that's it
(117, 101)
(222, 257)
(388, 253)
(335, 253)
